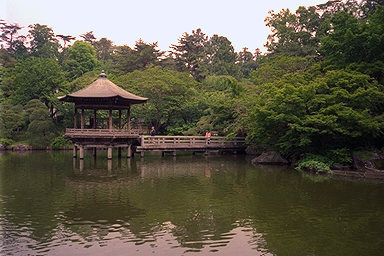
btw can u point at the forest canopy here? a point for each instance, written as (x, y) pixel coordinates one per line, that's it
(318, 88)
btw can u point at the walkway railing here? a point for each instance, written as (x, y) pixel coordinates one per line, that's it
(189, 140)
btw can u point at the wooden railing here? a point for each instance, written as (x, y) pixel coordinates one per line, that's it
(191, 140)
(100, 132)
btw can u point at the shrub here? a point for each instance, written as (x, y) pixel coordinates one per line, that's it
(316, 163)
(6, 142)
(60, 142)
(341, 156)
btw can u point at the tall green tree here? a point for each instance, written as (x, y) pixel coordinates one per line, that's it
(220, 57)
(171, 96)
(14, 43)
(305, 113)
(190, 53)
(36, 78)
(81, 58)
(246, 62)
(104, 48)
(356, 43)
(295, 34)
(142, 56)
(43, 41)
(41, 129)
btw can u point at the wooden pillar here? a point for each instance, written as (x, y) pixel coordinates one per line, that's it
(81, 165)
(109, 166)
(82, 119)
(110, 119)
(109, 153)
(74, 152)
(129, 151)
(129, 118)
(119, 118)
(119, 152)
(173, 153)
(81, 152)
(75, 119)
(142, 154)
(94, 119)
(94, 152)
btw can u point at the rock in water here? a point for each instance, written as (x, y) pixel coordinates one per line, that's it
(271, 157)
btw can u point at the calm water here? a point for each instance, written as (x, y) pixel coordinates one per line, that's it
(188, 205)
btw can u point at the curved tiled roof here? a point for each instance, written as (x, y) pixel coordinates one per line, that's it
(103, 88)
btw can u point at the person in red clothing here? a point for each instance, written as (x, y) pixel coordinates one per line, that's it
(208, 136)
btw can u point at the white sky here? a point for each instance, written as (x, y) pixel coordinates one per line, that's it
(164, 21)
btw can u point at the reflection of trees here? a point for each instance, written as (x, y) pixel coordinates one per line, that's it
(198, 200)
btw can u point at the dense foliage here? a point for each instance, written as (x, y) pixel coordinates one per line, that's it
(318, 89)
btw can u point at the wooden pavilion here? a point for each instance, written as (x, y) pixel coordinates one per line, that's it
(102, 94)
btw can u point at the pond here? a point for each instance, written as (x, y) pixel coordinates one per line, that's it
(51, 204)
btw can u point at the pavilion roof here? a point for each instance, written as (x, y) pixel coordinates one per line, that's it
(104, 90)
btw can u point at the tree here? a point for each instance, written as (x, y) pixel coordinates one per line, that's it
(41, 128)
(302, 112)
(43, 42)
(246, 61)
(146, 53)
(36, 78)
(89, 37)
(12, 120)
(221, 57)
(143, 55)
(81, 58)
(295, 34)
(104, 49)
(66, 39)
(171, 97)
(356, 43)
(190, 53)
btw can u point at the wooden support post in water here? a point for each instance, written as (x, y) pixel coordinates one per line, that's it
(119, 152)
(81, 165)
(129, 151)
(162, 153)
(94, 152)
(173, 153)
(74, 152)
(142, 154)
(109, 153)
(81, 152)
(109, 166)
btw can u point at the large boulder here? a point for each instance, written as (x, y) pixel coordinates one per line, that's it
(22, 147)
(270, 157)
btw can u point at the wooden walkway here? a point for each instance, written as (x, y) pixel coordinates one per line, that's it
(173, 144)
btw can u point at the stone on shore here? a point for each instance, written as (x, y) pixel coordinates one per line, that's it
(270, 157)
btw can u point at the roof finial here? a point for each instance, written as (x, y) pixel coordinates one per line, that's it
(102, 74)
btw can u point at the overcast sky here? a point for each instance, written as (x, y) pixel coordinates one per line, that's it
(164, 21)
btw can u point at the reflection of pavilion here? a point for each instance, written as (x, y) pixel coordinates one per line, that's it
(102, 94)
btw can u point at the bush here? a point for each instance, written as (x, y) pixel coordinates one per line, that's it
(341, 156)
(315, 163)
(60, 142)
(6, 142)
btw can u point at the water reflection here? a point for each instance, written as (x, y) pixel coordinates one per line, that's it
(183, 205)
